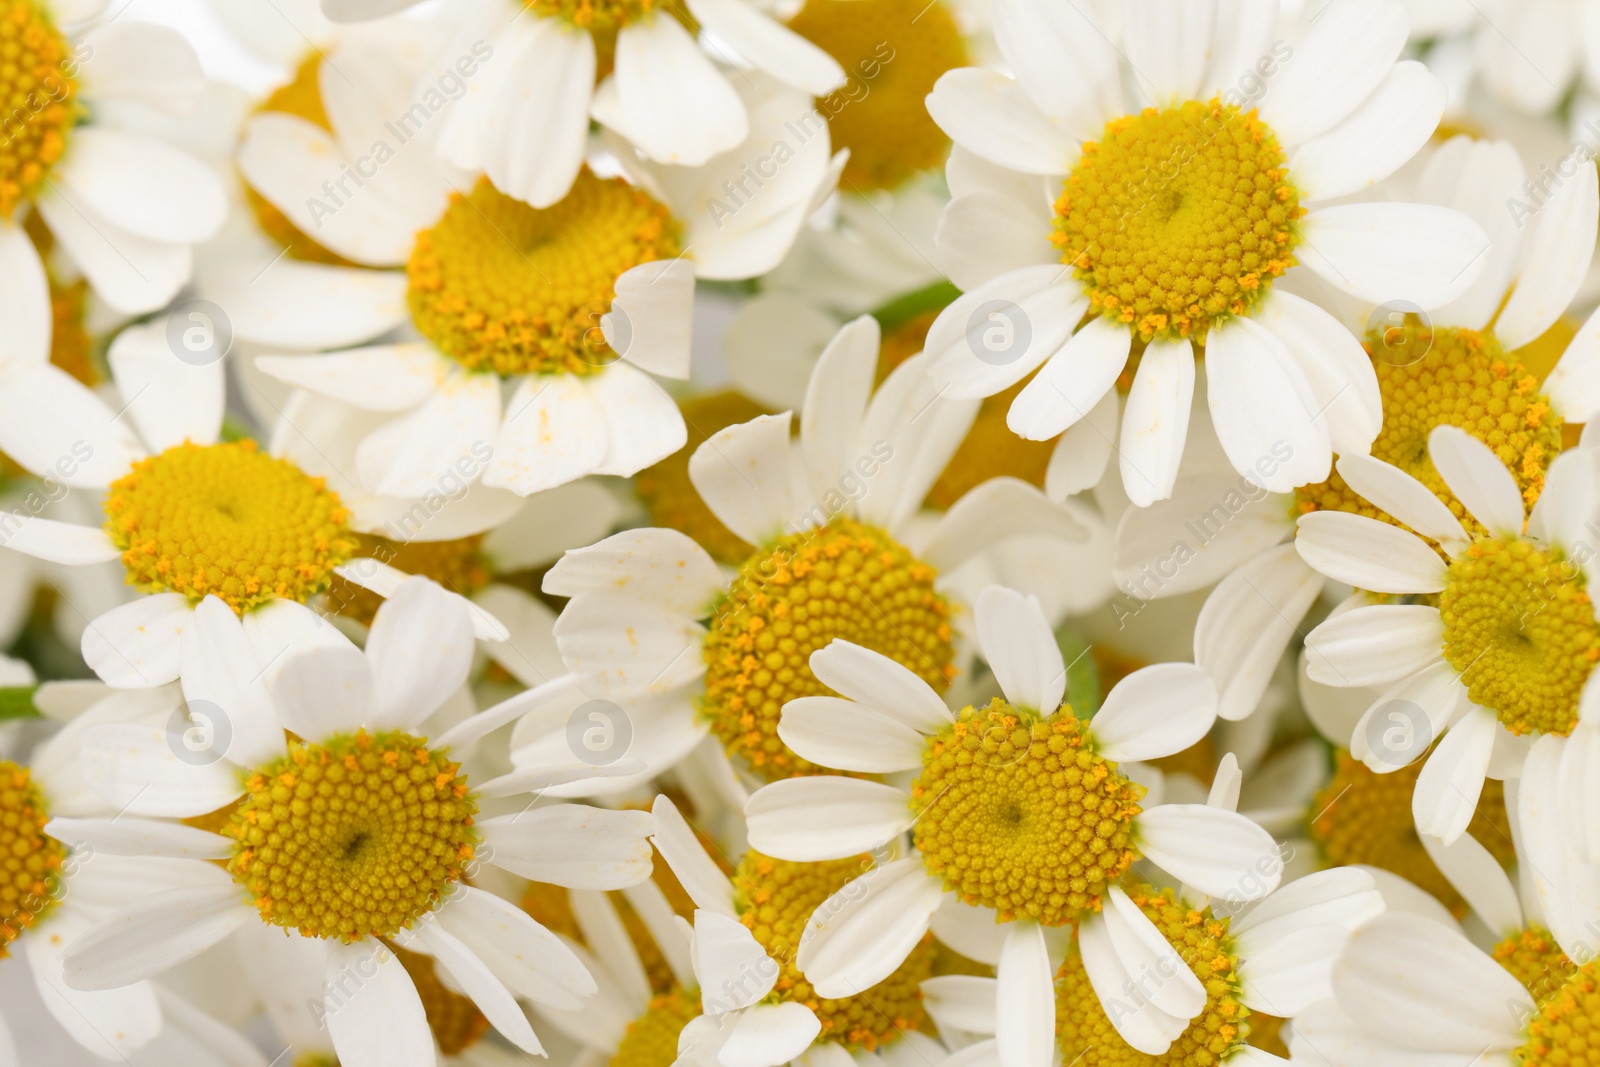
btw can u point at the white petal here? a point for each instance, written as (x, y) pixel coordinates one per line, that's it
(837, 398)
(223, 680)
(311, 305)
(621, 644)
(989, 114)
(1344, 387)
(529, 959)
(985, 234)
(1478, 479)
(54, 426)
(734, 970)
(743, 475)
(769, 1034)
(420, 452)
(111, 1023)
(573, 845)
(1347, 53)
(1071, 382)
(1156, 422)
(1451, 781)
(545, 98)
(1138, 1022)
(847, 736)
(152, 771)
(1025, 1002)
(1083, 451)
(1155, 711)
(1342, 896)
(56, 542)
(861, 934)
(170, 399)
(770, 46)
(25, 298)
(994, 336)
(960, 1001)
(699, 875)
(473, 977)
(1156, 965)
(128, 836)
(1574, 385)
(1368, 553)
(162, 931)
(420, 650)
(1402, 496)
(137, 60)
(1065, 62)
(143, 186)
(884, 684)
(1220, 853)
(1570, 499)
(1294, 971)
(825, 817)
(132, 274)
(1168, 44)
(1021, 649)
(378, 378)
(642, 423)
(1376, 139)
(1264, 409)
(1375, 645)
(967, 529)
(1479, 878)
(651, 315)
(1387, 252)
(1248, 621)
(677, 106)
(136, 646)
(373, 1011)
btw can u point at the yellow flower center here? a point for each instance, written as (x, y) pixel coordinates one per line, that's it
(358, 836)
(301, 97)
(38, 92)
(1519, 626)
(457, 565)
(775, 899)
(227, 520)
(1362, 817)
(671, 498)
(30, 862)
(454, 1019)
(651, 1040)
(500, 286)
(892, 52)
(1464, 379)
(1534, 959)
(1178, 218)
(1021, 815)
(1564, 1027)
(843, 581)
(1084, 1028)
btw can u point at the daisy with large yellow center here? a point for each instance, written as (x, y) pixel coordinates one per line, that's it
(348, 829)
(1482, 633)
(39, 90)
(1175, 216)
(1018, 810)
(30, 861)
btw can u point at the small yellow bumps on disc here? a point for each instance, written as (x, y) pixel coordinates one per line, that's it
(1021, 815)
(457, 565)
(30, 862)
(1085, 1031)
(1534, 959)
(672, 499)
(1565, 1032)
(1520, 627)
(227, 520)
(775, 900)
(38, 91)
(892, 52)
(651, 1040)
(357, 836)
(1464, 379)
(1363, 817)
(845, 581)
(500, 286)
(301, 97)
(1178, 218)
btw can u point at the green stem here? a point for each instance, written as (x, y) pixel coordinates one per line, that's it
(907, 306)
(16, 702)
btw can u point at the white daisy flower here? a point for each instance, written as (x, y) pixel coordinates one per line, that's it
(548, 66)
(1169, 226)
(533, 331)
(997, 789)
(189, 514)
(1508, 650)
(331, 883)
(125, 208)
(1415, 988)
(838, 554)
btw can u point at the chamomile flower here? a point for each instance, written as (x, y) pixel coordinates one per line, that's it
(188, 514)
(1505, 652)
(1016, 806)
(532, 332)
(1161, 229)
(124, 208)
(652, 617)
(549, 65)
(334, 883)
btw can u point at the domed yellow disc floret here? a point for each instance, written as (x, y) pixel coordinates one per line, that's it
(1020, 814)
(1363, 817)
(651, 1040)
(301, 97)
(844, 580)
(357, 836)
(1520, 627)
(1534, 959)
(1565, 1031)
(892, 52)
(30, 862)
(1464, 379)
(672, 499)
(454, 1019)
(775, 899)
(457, 565)
(1084, 1029)
(1178, 218)
(38, 91)
(500, 286)
(230, 521)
